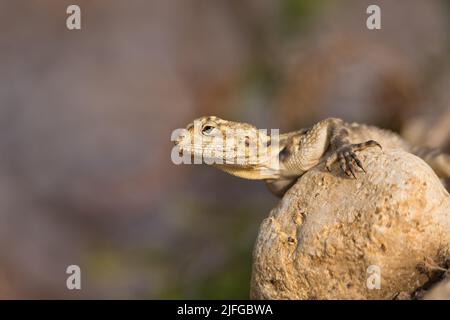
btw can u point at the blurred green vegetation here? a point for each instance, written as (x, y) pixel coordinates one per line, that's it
(231, 227)
(297, 14)
(231, 281)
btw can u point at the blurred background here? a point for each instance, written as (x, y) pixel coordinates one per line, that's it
(86, 117)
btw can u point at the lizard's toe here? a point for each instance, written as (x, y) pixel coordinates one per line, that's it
(330, 160)
(364, 145)
(357, 161)
(348, 160)
(349, 163)
(343, 163)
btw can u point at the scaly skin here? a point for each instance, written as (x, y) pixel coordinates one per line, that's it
(292, 154)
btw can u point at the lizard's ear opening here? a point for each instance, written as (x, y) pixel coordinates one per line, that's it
(284, 153)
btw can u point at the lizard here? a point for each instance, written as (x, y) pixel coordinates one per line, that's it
(292, 154)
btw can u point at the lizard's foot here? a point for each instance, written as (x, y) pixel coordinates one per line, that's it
(347, 157)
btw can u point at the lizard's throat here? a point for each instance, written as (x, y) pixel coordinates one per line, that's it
(248, 172)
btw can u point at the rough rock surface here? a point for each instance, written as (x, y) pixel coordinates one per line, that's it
(324, 235)
(441, 291)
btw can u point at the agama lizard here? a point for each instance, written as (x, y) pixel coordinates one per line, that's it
(294, 153)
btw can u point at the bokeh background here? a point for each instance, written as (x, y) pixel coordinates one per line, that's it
(86, 117)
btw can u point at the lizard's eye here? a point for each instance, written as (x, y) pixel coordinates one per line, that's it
(208, 130)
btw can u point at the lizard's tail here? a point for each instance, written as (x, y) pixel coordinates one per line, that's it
(436, 159)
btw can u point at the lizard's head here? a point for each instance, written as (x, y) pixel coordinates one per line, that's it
(235, 147)
(214, 137)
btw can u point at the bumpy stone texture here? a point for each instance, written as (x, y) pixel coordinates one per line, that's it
(328, 229)
(441, 291)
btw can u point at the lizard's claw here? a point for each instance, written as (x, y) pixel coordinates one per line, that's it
(347, 157)
(330, 160)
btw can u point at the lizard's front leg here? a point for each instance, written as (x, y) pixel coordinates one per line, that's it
(306, 150)
(343, 150)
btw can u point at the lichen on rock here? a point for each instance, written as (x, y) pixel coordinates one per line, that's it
(332, 237)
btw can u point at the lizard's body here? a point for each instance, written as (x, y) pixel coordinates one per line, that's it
(331, 140)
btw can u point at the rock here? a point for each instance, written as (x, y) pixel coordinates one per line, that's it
(332, 237)
(441, 291)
